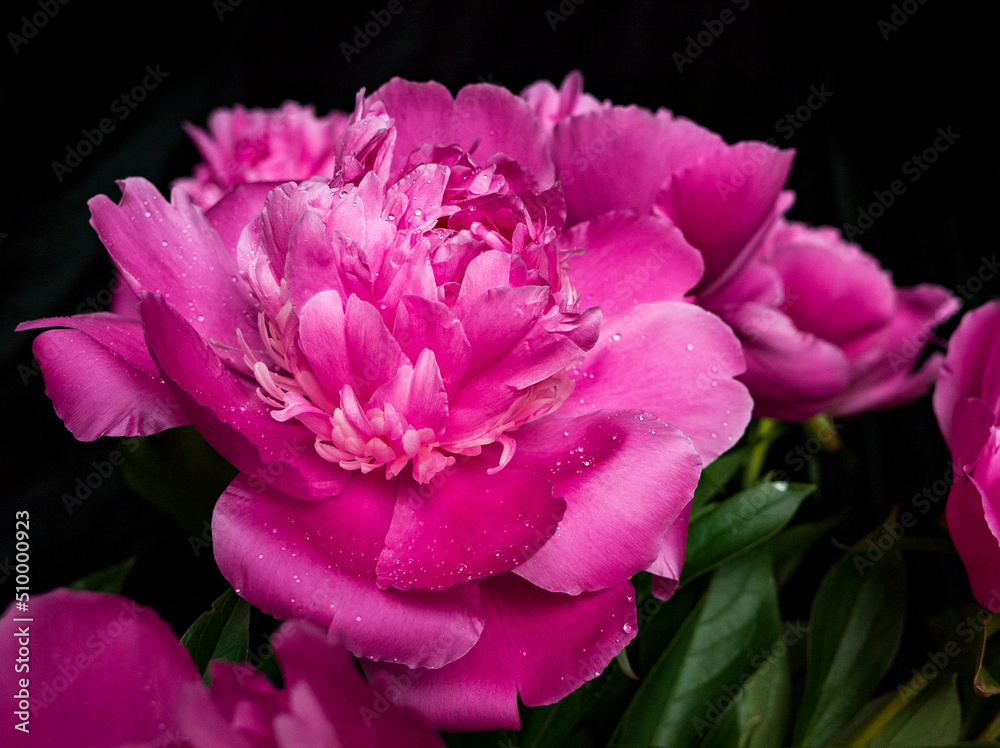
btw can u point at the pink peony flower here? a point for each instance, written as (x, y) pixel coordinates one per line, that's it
(460, 430)
(107, 672)
(967, 405)
(773, 282)
(260, 145)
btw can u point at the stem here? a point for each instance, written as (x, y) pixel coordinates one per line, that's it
(992, 730)
(764, 435)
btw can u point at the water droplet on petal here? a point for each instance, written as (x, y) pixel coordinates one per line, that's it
(616, 337)
(690, 346)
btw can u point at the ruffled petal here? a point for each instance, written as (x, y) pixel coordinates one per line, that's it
(170, 249)
(236, 209)
(673, 360)
(101, 378)
(226, 410)
(619, 158)
(629, 259)
(541, 645)
(973, 525)
(316, 561)
(625, 477)
(668, 564)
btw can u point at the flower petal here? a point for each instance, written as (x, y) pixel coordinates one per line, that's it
(101, 378)
(114, 665)
(172, 250)
(541, 645)
(673, 360)
(630, 259)
(619, 158)
(225, 409)
(236, 209)
(667, 567)
(465, 525)
(625, 477)
(316, 561)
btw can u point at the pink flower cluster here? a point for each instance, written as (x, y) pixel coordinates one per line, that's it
(470, 355)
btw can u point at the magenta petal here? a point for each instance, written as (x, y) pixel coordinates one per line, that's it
(225, 409)
(101, 378)
(673, 360)
(969, 513)
(323, 340)
(466, 525)
(541, 645)
(972, 367)
(668, 564)
(427, 324)
(422, 114)
(316, 561)
(619, 158)
(625, 477)
(172, 250)
(723, 200)
(630, 259)
(791, 374)
(307, 660)
(502, 123)
(373, 353)
(236, 209)
(105, 671)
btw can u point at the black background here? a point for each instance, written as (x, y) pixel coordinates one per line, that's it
(890, 96)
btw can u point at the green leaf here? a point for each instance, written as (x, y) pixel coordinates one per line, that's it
(854, 632)
(933, 718)
(790, 546)
(985, 682)
(733, 526)
(222, 633)
(729, 633)
(716, 476)
(110, 580)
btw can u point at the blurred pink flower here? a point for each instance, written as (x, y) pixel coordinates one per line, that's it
(261, 145)
(823, 327)
(106, 672)
(448, 458)
(967, 405)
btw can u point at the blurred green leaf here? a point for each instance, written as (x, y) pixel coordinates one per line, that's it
(985, 682)
(109, 580)
(933, 718)
(733, 526)
(181, 474)
(222, 633)
(790, 546)
(729, 634)
(716, 476)
(854, 631)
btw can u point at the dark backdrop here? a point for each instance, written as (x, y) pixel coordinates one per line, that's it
(892, 87)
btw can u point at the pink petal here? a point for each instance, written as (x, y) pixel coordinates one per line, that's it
(104, 671)
(172, 250)
(350, 706)
(629, 259)
(791, 374)
(668, 564)
(972, 519)
(541, 645)
(422, 114)
(619, 158)
(316, 561)
(236, 209)
(723, 200)
(427, 324)
(972, 367)
(373, 353)
(673, 360)
(101, 378)
(503, 123)
(226, 410)
(625, 477)
(465, 525)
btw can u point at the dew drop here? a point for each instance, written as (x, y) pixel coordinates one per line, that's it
(357, 618)
(201, 317)
(690, 346)
(616, 337)
(780, 485)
